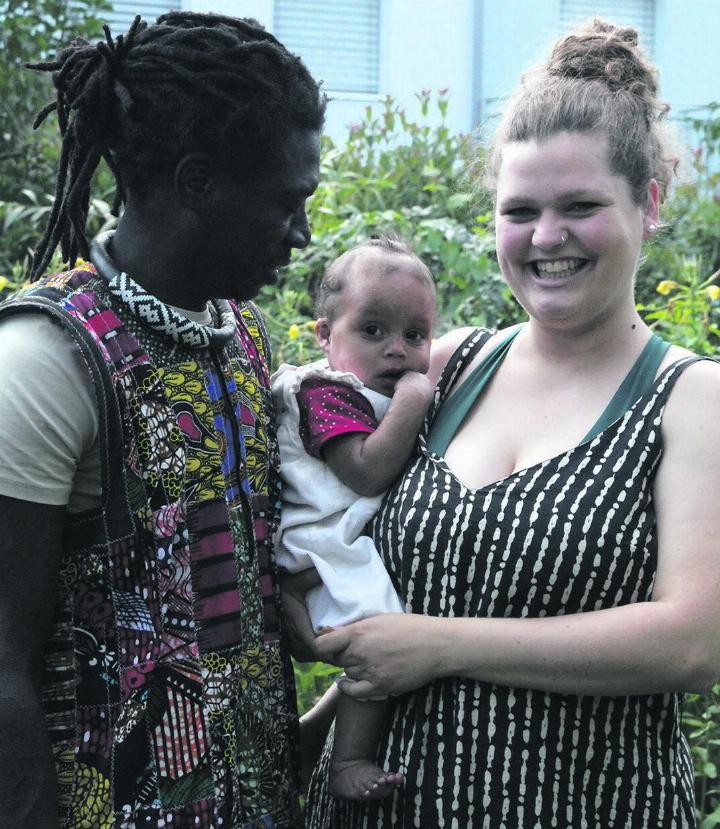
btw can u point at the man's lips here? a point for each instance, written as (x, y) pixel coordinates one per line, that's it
(279, 263)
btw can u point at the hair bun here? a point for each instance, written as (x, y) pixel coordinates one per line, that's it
(608, 53)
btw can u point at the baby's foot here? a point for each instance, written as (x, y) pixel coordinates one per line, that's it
(361, 780)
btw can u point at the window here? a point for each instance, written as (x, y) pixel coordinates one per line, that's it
(640, 14)
(339, 40)
(124, 11)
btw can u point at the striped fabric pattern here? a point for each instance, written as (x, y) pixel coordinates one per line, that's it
(574, 533)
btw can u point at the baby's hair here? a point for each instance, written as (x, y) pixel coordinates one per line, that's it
(189, 83)
(340, 270)
(597, 80)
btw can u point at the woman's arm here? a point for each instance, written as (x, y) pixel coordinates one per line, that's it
(671, 643)
(369, 463)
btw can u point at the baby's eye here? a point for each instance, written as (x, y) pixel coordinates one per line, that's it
(372, 330)
(415, 336)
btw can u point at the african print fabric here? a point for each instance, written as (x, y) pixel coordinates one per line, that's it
(571, 534)
(168, 689)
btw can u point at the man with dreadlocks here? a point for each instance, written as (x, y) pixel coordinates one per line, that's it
(146, 682)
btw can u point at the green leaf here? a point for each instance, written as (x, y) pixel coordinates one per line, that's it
(711, 820)
(459, 200)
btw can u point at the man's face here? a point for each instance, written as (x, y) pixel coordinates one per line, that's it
(258, 218)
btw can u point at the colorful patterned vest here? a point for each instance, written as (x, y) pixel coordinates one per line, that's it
(169, 695)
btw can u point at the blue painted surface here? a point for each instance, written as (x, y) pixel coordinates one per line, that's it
(478, 48)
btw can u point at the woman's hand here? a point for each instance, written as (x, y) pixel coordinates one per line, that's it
(385, 655)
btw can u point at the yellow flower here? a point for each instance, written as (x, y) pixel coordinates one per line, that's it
(666, 286)
(294, 331)
(713, 292)
(4, 282)
(310, 325)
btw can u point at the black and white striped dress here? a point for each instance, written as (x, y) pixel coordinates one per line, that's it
(574, 533)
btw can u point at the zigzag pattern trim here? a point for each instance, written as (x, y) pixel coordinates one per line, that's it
(164, 319)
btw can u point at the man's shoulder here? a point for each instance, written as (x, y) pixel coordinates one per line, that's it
(55, 285)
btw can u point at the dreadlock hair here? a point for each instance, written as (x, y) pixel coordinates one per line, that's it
(388, 249)
(141, 101)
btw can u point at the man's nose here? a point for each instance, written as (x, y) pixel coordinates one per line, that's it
(299, 235)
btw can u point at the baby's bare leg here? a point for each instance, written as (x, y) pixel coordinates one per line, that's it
(354, 774)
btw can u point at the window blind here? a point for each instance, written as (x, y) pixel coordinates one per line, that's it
(124, 11)
(640, 14)
(339, 40)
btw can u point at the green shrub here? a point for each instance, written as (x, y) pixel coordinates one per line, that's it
(395, 176)
(686, 309)
(691, 218)
(701, 718)
(32, 30)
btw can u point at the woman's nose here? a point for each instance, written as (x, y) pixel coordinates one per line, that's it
(549, 233)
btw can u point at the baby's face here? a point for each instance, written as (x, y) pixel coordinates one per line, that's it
(382, 327)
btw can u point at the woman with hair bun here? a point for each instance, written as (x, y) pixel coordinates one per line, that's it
(553, 539)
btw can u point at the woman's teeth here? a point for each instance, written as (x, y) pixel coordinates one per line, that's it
(558, 268)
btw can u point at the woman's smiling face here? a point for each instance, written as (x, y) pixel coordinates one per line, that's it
(568, 230)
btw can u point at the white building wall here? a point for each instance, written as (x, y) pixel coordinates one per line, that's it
(517, 33)
(425, 44)
(688, 52)
(429, 44)
(261, 10)
(478, 48)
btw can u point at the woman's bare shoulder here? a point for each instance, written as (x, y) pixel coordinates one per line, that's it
(444, 347)
(695, 375)
(694, 403)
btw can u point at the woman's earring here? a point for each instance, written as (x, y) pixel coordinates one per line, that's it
(652, 227)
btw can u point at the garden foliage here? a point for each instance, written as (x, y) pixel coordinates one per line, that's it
(396, 175)
(392, 175)
(31, 31)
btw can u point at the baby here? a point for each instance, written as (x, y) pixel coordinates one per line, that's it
(347, 426)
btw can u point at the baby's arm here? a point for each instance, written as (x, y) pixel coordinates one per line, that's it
(369, 463)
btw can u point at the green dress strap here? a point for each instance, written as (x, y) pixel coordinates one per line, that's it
(638, 381)
(454, 410)
(452, 413)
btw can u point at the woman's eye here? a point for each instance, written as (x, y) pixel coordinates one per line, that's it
(582, 207)
(518, 214)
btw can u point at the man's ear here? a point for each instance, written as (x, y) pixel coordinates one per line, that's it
(194, 179)
(322, 333)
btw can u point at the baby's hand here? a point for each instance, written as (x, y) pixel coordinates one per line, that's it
(415, 389)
